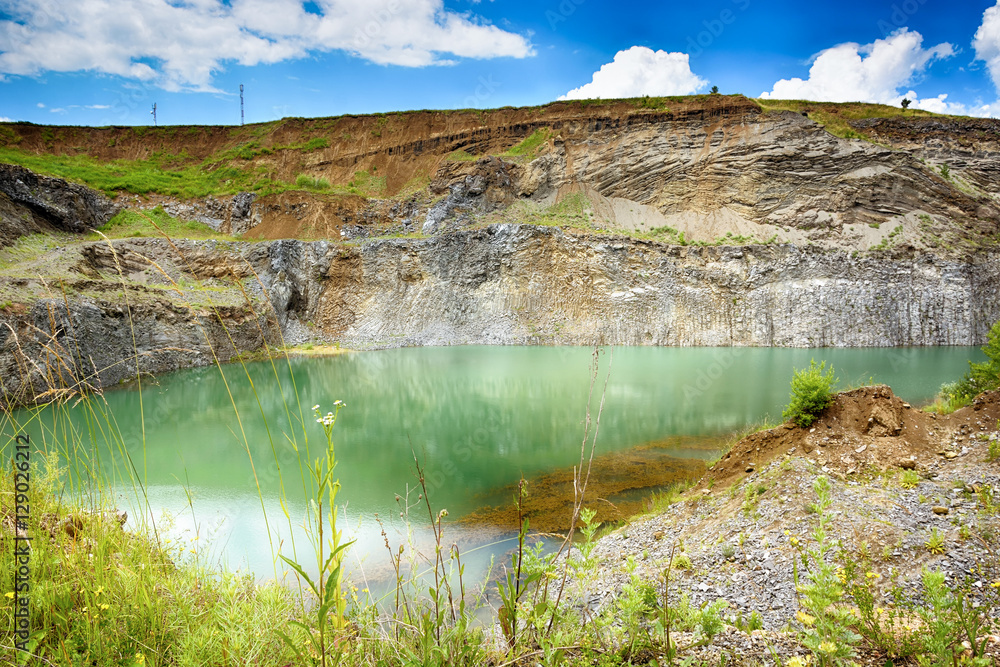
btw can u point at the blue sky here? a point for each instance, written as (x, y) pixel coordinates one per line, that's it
(101, 62)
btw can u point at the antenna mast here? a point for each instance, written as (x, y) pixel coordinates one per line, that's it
(241, 104)
(154, 114)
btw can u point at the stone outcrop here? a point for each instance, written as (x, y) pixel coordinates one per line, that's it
(522, 284)
(503, 285)
(800, 238)
(30, 203)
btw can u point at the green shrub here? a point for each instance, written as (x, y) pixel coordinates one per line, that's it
(980, 377)
(312, 182)
(812, 392)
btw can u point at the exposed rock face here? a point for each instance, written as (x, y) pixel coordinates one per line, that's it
(705, 167)
(506, 284)
(513, 284)
(30, 203)
(969, 148)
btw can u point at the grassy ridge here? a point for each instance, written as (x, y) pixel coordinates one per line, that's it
(236, 167)
(835, 116)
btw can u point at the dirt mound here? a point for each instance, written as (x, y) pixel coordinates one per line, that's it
(865, 428)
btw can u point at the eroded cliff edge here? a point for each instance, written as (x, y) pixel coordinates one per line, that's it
(708, 223)
(153, 305)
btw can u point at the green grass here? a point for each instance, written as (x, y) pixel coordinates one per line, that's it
(107, 596)
(368, 184)
(316, 183)
(146, 176)
(460, 156)
(155, 222)
(834, 117)
(528, 147)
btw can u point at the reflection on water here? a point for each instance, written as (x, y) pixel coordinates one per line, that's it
(477, 417)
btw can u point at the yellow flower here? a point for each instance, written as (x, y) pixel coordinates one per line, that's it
(873, 575)
(805, 618)
(788, 533)
(794, 541)
(995, 584)
(827, 647)
(140, 659)
(10, 595)
(99, 590)
(104, 607)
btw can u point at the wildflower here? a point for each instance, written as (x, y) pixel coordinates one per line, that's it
(140, 659)
(99, 590)
(995, 584)
(796, 661)
(10, 595)
(873, 575)
(315, 407)
(805, 618)
(827, 647)
(104, 607)
(794, 541)
(787, 533)
(338, 402)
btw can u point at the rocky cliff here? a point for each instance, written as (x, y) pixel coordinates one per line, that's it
(154, 305)
(684, 222)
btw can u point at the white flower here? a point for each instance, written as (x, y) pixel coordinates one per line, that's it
(316, 407)
(338, 402)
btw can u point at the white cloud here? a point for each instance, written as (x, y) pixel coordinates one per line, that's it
(40, 105)
(641, 71)
(987, 42)
(4, 119)
(180, 45)
(865, 73)
(98, 106)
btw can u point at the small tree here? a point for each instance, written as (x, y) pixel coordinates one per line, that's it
(715, 90)
(905, 104)
(812, 392)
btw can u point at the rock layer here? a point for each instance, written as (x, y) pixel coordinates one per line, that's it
(30, 203)
(502, 285)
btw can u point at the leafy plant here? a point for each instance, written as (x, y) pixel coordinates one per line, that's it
(909, 479)
(312, 182)
(981, 376)
(331, 604)
(812, 392)
(826, 626)
(935, 542)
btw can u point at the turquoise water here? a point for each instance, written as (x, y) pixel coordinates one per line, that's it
(477, 417)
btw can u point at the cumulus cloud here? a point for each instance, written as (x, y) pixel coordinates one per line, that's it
(641, 71)
(865, 73)
(987, 42)
(4, 119)
(180, 45)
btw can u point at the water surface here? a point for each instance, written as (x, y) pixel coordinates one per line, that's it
(477, 417)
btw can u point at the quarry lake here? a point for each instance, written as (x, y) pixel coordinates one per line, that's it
(477, 418)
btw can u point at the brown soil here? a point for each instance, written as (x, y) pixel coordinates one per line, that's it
(404, 148)
(864, 429)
